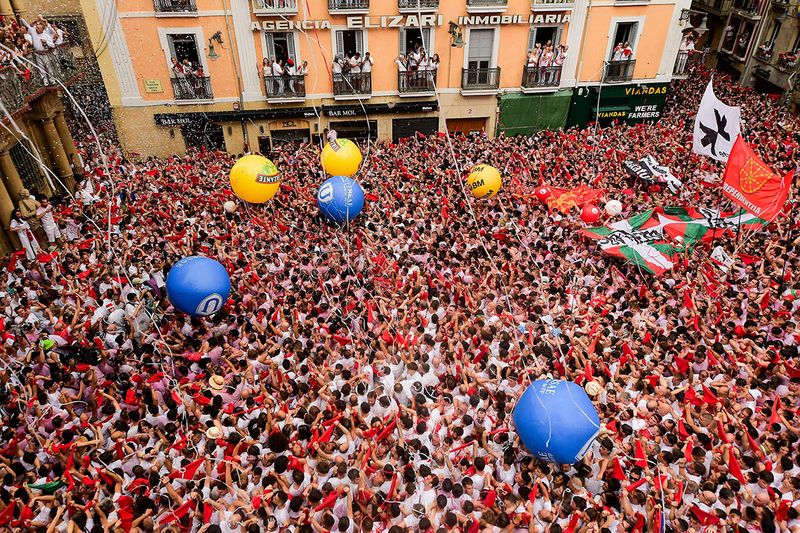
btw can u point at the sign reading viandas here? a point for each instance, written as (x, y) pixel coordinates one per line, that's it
(644, 239)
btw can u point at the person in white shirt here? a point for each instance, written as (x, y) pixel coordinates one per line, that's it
(277, 76)
(45, 214)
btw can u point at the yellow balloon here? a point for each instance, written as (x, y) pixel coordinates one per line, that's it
(341, 159)
(255, 179)
(484, 181)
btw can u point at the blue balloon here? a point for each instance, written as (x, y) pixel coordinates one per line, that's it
(340, 199)
(198, 286)
(556, 420)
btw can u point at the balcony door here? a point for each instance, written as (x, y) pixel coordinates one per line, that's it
(281, 46)
(625, 32)
(481, 46)
(348, 42)
(542, 35)
(184, 46)
(412, 38)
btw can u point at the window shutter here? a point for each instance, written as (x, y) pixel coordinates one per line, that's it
(532, 38)
(290, 46)
(426, 40)
(340, 43)
(360, 42)
(402, 44)
(270, 45)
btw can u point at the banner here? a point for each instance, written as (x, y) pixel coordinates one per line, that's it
(566, 199)
(716, 127)
(647, 169)
(751, 184)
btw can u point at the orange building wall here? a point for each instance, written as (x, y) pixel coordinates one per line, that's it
(648, 50)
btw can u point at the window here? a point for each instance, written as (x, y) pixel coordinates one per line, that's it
(730, 31)
(348, 42)
(796, 45)
(776, 29)
(624, 36)
(183, 46)
(280, 47)
(410, 38)
(542, 35)
(481, 45)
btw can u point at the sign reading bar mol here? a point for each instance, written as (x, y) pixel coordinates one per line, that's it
(410, 21)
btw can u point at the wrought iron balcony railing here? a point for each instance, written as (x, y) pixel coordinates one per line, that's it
(477, 79)
(23, 78)
(418, 81)
(175, 6)
(285, 87)
(352, 84)
(536, 77)
(619, 71)
(192, 88)
(348, 5)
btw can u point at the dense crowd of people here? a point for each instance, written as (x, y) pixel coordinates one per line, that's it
(364, 379)
(23, 42)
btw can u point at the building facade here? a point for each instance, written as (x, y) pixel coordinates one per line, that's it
(185, 73)
(37, 153)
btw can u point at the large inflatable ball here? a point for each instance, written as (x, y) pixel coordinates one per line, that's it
(484, 181)
(590, 214)
(255, 179)
(340, 199)
(613, 207)
(556, 420)
(198, 286)
(341, 158)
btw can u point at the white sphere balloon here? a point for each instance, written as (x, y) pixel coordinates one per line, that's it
(613, 207)
(229, 206)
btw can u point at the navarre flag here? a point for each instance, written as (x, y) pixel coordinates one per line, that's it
(751, 184)
(638, 240)
(566, 199)
(649, 170)
(716, 127)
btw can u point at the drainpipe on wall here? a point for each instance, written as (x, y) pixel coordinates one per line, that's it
(236, 67)
(583, 43)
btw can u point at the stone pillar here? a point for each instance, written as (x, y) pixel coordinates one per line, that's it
(9, 196)
(67, 143)
(57, 153)
(5, 8)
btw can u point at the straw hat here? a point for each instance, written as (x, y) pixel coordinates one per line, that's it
(593, 388)
(213, 433)
(216, 382)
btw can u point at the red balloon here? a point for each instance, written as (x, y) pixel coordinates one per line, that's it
(543, 193)
(590, 214)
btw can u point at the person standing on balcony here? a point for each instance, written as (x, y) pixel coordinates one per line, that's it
(302, 72)
(183, 89)
(277, 75)
(290, 73)
(434, 66)
(402, 70)
(42, 41)
(561, 56)
(354, 80)
(545, 62)
(366, 67)
(45, 215)
(531, 64)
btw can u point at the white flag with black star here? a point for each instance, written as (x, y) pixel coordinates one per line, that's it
(716, 127)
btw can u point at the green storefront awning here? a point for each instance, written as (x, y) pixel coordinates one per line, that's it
(523, 114)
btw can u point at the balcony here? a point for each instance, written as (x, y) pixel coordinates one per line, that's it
(763, 54)
(479, 81)
(619, 71)
(714, 6)
(681, 68)
(274, 7)
(348, 86)
(486, 6)
(414, 6)
(285, 89)
(747, 8)
(537, 79)
(552, 5)
(20, 86)
(175, 8)
(417, 83)
(348, 6)
(192, 89)
(787, 61)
